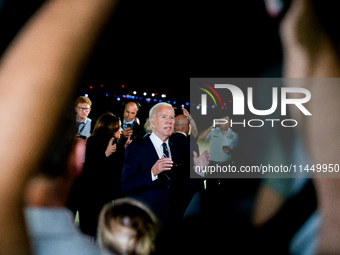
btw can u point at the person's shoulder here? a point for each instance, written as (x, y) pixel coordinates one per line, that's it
(141, 142)
(215, 130)
(232, 132)
(175, 136)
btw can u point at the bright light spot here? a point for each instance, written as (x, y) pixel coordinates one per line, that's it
(153, 94)
(86, 95)
(135, 92)
(144, 94)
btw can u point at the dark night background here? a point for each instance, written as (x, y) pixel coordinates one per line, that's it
(156, 46)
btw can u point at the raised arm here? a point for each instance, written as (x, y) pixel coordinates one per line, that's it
(319, 59)
(194, 130)
(204, 133)
(37, 76)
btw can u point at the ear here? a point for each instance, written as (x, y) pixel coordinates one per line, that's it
(152, 122)
(76, 160)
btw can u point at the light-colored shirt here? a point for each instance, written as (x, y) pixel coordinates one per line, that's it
(158, 144)
(125, 123)
(218, 140)
(84, 127)
(52, 232)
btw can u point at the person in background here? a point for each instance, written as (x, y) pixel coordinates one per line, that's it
(44, 60)
(50, 224)
(188, 144)
(100, 181)
(82, 107)
(181, 135)
(127, 226)
(147, 127)
(222, 141)
(130, 126)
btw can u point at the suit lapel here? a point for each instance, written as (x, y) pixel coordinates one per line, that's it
(151, 152)
(175, 153)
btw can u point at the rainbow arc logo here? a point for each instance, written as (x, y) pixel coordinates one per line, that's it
(210, 94)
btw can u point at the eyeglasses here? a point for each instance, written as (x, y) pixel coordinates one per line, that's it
(83, 109)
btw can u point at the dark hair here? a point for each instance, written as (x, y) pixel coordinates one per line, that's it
(106, 126)
(56, 155)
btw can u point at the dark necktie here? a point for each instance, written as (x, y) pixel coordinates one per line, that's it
(166, 155)
(78, 124)
(165, 150)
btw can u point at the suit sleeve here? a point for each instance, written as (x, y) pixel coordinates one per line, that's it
(135, 176)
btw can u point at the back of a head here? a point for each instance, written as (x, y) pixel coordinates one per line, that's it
(181, 123)
(147, 126)
(127, 226)
(56, 156)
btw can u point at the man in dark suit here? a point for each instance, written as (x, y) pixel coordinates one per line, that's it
(146, 172)
(181, 135)
(131, 128)
(189, 146)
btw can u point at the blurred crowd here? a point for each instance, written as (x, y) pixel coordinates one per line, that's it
(124, 185)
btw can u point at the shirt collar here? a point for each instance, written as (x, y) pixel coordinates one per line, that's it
(182, 133)
(157, 141)
(81, 122)
(130, 122)
(59, 221)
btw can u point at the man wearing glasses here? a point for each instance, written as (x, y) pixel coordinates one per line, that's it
(83, 108)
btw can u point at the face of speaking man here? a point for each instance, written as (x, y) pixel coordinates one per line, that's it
(164, 122)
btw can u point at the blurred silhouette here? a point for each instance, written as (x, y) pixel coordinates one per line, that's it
(127, 226)
(43, 62)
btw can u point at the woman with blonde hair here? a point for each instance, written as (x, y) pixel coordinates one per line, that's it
(127, 226)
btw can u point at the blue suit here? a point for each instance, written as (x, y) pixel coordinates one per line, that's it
(140, 156)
